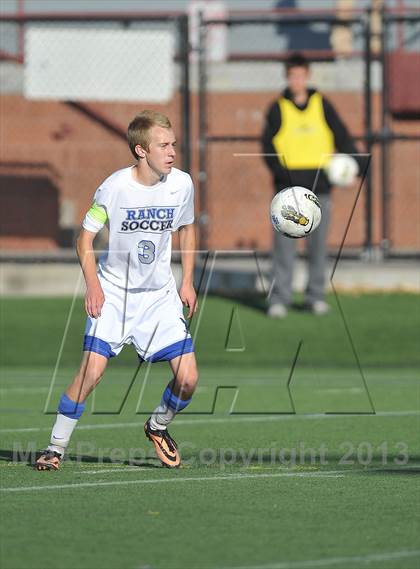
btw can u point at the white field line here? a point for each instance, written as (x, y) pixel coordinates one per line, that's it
(331, 473)
(324, 474)
(121, 469)
(327, 561)
(229, 419)
(25, 390)
(347, 390)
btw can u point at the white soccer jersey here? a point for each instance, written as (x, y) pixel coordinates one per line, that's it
(140, 221)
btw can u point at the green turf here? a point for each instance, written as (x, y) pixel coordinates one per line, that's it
(251, 492)
(33, 331)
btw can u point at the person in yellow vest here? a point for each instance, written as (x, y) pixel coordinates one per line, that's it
(302, 129)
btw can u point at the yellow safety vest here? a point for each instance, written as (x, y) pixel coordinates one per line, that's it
(304, 140)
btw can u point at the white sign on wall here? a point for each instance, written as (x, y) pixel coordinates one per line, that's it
(98, 64)
(216, 34)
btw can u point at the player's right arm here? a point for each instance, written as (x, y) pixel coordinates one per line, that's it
(94, 298)
(271, 127)
(93, 222)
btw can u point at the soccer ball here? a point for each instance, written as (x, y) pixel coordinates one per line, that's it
(341, 170)
(295, 212)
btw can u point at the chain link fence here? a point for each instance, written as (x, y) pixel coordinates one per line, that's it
(239, 82)
(399, 134)
(69, 87)
(70, 84)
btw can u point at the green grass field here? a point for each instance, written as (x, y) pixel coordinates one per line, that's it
(301, 447)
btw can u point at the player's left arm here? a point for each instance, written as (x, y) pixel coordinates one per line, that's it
(187, 245)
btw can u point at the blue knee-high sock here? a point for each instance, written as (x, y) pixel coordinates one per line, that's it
(173, 401)
(68, 414)
(169, 406)
(69, 408)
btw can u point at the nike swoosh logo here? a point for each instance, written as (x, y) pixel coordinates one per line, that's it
(165, 452)
(310, 229)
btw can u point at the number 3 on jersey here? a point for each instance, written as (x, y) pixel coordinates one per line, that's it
(146, 252)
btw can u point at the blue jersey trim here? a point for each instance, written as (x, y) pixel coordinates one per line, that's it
(92, 344)
(173, 351)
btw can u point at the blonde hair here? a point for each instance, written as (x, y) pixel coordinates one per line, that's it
(139, 129)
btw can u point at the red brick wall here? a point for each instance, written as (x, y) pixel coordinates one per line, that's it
(240, 187)
(84, 153)
(81, 151)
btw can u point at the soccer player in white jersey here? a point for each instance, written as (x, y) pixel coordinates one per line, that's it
(132, 297)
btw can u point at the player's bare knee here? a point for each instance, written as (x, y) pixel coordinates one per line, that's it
(187, 384)
(193, 379)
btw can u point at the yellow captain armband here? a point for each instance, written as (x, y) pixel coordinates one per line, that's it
(98, 213)
(95, 218)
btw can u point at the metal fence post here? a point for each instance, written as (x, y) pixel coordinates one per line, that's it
(202, 109)
(368, 132)
(185, 91)
(386, 139)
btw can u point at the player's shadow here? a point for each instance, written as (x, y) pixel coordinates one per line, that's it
(149, 462)
(330, 461)
(219, 460)
(258, 302)
(29, 458)
(394, 470)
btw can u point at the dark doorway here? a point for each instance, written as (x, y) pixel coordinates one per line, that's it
(28, 207)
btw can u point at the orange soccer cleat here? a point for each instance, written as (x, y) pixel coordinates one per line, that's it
(49, 460)
(165, 446)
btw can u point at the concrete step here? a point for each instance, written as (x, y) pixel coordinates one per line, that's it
(245, 275)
